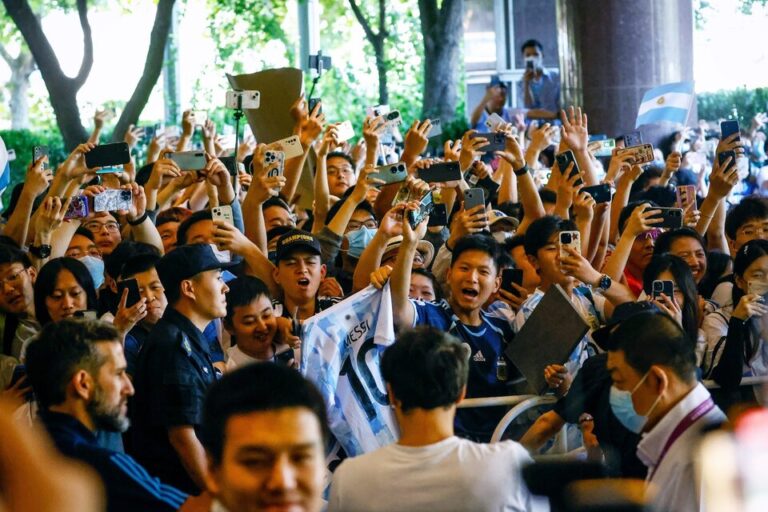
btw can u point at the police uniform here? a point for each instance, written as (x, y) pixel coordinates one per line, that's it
(173, 373)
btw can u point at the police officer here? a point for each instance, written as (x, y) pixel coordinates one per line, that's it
(174, 368)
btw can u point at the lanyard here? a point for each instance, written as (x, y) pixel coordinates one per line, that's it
(686, 423)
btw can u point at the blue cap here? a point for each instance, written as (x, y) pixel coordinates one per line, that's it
(187, 261)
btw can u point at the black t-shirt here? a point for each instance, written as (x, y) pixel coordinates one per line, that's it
(173, 373)
(590, 393)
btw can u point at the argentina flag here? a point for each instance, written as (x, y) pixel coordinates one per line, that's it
(341, 352)
(669, 102)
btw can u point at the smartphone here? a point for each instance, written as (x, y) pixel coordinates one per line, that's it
(112, 200)
(441, 172)
(19, 372)
(239, 100)
(603, 147)
(436, 128)
(509, 276)
(673, 217)
(493, 121)
(565, 159)
(392, 173)
(291, 146)
(78, 208)
(728, 128)
(722, 157)
(201, 116)
(345, 131)
(108, 155)
(641, 154)
(474, 197)
(133, 291)
(633, 139)
(570, 239)
(686, 197)
(425, 208)
(439, 216)
(529, 64)
(320, 62)
(270, 157)
(666, 287)
(486, 183)
(497, 141)
(232, 165)
(393, 118)
(223, 213)
(285, 357)
(600, 193)
(38, 152)
(110, 170)
(188, 160)
(313, 103)
(88, 314)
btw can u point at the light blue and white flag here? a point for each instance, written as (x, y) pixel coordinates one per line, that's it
(341, 353)
(668, 102)
(5, 168)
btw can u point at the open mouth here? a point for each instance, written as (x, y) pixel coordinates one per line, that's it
(303, 282)
(470, 293)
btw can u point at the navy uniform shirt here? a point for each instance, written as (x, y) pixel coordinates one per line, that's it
(487, 343)
(129, 487)
(173, 373)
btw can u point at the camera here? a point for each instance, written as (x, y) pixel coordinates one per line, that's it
(566, 238)
(239, 100)
(320, 62)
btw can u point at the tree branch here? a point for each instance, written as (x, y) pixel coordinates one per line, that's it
(87, 64)
(383, 33)
(428, 11)
(363, 22)
(6, 56)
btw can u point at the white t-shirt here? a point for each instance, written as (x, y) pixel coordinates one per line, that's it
(453, 474)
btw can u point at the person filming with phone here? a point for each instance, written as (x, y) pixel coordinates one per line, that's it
(539, 90)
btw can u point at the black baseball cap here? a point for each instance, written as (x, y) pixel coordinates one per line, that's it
(187, 261)
(603, 336)
(496, 81)
(294, 240)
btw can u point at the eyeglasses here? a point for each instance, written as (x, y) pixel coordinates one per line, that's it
(333, 171)
(14, 278)
(96, 226)
(356, 224)
(651, 234)
(751, 232)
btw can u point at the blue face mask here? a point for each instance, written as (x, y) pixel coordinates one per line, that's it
(95, 267)
(359, 240)
(624, 409)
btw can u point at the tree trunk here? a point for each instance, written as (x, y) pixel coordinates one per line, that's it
(153, 65)
(23, 67)
(442, 31)
(381, 69)
(377, 40)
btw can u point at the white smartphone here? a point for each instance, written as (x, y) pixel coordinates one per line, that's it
(570, 239)
(270, 157)
(345, 131)
(223, 213)
(493, 121)
(243, 99)
(291, 146)
(201, 116)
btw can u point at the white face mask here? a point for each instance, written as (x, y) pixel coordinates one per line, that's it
(501, 236)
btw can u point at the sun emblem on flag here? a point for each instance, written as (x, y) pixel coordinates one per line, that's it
(660, 101)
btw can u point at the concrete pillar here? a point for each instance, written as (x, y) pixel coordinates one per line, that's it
(613, 51)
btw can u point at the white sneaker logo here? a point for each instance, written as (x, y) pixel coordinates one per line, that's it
(478, 357)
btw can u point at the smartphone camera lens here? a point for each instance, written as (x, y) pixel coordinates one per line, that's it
(657, 287)
(566, 238)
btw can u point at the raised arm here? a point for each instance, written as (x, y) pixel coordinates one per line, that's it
(416, 141)
(400, 279)
(322, 201)
(529, 196)
(575, 134)
(35, 183)
(621, 198)
(638, 223)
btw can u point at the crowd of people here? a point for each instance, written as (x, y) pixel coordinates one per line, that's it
(130, 334)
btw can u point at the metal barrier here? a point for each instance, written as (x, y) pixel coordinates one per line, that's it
(524, 405)
(745, 381)
(494, 401)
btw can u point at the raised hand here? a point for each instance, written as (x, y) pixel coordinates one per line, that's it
(37, 178)
(51, 215)
(641, 220)
(372, 130)
(127, 317)
(187, 123)
(574, 131)
(470, 149)
(452, 150)
(132, 136)
(416, 139)
(723, 178)
(513, 153)
(543, 137)
(162, 170)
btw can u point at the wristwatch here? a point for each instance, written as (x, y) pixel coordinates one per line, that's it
(40, 251)
(522, 171)
(605, 282)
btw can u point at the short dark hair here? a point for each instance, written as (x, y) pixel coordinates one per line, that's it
(514, 241)
(429, 275)
(662, 196)
(664, 242)
(426, 367)
(85, 233)
(542, 229)
(10, 254)
(173, 214)
(477, 242)
(46, 283)
(181, 233)
(651, 338)
(123, 253)
(243, 291)
(341, 154)
(749, 208)
(61, 349)
(276, 201)
(529, 43)
(362, 205)
(256, 388)
(139, 264)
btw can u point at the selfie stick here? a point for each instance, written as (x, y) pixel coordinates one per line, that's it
(238, 116)
(319, 72)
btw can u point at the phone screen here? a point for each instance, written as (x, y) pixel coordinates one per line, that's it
(509, 276)
(133, 291)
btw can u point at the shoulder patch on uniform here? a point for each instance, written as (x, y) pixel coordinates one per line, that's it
(186, 346)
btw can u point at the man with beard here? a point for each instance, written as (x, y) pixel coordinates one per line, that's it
(77, 370)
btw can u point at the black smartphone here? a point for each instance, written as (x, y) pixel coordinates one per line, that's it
(285, 357)
(509, 276)
(728, 128)
(722, 157)
(230, 162)
(633, 139)
(497, 141)
(133, 291)
(441, 172)
(565, 159)
(666, 287)
(529, 64)
(673, 217)
(312, 103)
(40, 151)
(19, 372)
(108, 155)
(320, 62)
(438, 217)
(600, 193)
